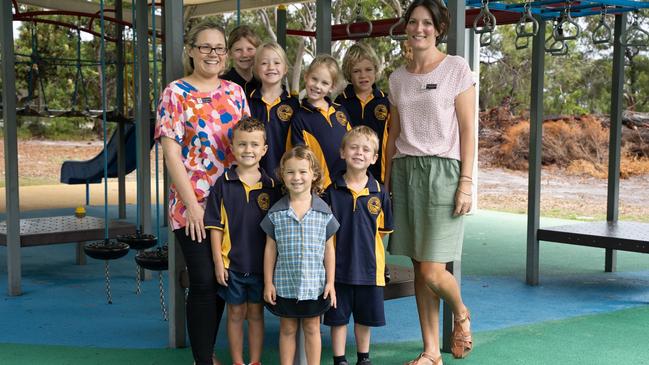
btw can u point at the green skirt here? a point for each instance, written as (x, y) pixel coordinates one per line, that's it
(423, 199)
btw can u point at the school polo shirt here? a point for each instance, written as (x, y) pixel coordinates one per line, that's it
(299, 268)
(276, 115)
(247, 86)
(237, 209)
(322, 131)
(373, 112)
(363, 216)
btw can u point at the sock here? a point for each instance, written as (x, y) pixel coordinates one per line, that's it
(363, 356)
(339, 359)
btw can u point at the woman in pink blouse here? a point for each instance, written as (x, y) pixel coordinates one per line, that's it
(194, 125)
(429, 171)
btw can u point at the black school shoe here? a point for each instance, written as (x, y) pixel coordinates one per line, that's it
(364, 362)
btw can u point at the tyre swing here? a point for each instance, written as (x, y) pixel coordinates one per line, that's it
(107, 249)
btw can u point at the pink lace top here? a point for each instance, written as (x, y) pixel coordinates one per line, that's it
(426, 105)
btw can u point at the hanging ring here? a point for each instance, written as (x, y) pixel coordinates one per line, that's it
(393, 28)
(359, 19)
(602, 33)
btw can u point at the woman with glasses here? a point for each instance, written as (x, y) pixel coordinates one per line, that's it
(194, 123)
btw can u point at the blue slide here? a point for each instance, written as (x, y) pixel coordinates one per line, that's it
(92, 171)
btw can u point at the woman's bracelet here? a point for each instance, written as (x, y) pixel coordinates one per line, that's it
(466, 178)
(464, 192)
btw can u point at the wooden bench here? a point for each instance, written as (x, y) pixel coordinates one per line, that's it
(65, 229)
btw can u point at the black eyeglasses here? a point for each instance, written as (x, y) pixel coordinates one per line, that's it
(204, 49)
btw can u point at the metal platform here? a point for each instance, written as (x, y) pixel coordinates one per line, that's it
(64, 229)
(402, 283)
(623, 236)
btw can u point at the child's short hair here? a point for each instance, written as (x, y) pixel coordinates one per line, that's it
(273, 46)
(362, 131)
(249, 124)
(243, 31)
(330, 63)
(357, 53)
(302, 152)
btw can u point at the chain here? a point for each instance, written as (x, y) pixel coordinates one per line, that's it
(107, 276)
(162, 297)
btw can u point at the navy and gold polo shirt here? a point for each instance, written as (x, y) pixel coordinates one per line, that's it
(237, 209)
(247, 86)
(276, 115)
(363, 216)
(322, 131)
(373, 112)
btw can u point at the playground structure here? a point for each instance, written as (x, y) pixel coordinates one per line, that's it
(531, 19)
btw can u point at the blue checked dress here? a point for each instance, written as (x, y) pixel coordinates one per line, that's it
(299, 268)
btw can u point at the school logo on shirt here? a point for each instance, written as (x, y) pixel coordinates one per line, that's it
(374, 205)
(284, 113)
(341, 118)
(263, 200)
(381, 112)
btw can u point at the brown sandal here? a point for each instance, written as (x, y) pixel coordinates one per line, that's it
(462, 342)
(426, 356)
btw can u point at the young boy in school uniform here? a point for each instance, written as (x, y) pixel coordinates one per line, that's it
(237, 204)
(364, 101)
(362, 207)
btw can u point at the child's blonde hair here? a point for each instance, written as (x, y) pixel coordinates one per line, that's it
(357, 53)
(272, 46)
(249, 124)
(302, 152)
(362, 131)
(330, 63)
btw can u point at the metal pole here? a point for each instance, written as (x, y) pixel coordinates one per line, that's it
(281, 25)
(323, 26)
(119, 96)
(456, 46)
(143, 116)
(456, 31)
(173, 31)
(615, 135)
(536, 134)
(11, 150)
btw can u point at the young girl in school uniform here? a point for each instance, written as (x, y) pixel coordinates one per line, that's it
(299, 259)
(320, 123)
(271, 103)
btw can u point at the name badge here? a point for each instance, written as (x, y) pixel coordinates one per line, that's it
(431, 86)
(205, 100)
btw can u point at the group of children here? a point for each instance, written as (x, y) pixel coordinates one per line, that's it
(318, 249)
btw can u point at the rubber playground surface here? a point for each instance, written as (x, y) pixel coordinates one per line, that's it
(577, 315)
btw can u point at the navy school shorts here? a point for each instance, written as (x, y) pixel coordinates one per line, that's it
(242, 288)
(365, 302)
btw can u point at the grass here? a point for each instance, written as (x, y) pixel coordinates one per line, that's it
(31, 181)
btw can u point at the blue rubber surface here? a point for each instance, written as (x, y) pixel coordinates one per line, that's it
(65, 304)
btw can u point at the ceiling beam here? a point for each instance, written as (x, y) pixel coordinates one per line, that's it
(227, 6)
(83, 6)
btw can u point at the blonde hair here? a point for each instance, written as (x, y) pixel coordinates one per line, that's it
(329, 63)
(302, 152)
(362, 131)
(272, 46)
(357, 53)
(240, 32)
(192, 36)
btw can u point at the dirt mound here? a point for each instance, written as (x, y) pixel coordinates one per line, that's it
(577, 144)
